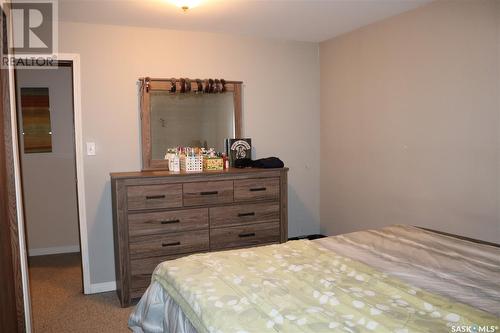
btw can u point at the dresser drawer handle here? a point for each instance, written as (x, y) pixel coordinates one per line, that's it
(151, 197)
(258, 189)
(170, 244)
(170, 221)
(247, 234)
(246, 214)
(209, 193)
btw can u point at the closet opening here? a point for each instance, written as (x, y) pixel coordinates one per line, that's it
(48, 157)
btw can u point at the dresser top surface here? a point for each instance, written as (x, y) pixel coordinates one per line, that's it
(165, 173)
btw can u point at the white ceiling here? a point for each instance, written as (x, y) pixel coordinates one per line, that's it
(302, 20)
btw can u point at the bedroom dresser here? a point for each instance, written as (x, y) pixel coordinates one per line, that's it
(162, 215)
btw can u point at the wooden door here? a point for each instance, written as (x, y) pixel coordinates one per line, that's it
(11, 292)
(8, 313)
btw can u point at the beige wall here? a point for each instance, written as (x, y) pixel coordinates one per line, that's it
(49, 178)
(410, 122)
(281, 109)
(498, 96)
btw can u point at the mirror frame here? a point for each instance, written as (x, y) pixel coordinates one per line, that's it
(149, 84)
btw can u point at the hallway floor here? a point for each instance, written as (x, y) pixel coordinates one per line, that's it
(59, 305)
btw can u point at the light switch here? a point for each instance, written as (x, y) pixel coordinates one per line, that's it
(90, 148)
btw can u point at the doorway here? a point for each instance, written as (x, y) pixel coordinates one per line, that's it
(49, 132)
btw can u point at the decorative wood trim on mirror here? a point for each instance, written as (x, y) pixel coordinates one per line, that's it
(146, 85)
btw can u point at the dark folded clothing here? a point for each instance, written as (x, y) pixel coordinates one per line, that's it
(243, 163)
(263, 163)
(269, 162)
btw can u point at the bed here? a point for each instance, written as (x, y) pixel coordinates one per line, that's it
(396, 279)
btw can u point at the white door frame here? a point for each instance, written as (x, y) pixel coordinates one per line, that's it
(80, 184)
(82, 212)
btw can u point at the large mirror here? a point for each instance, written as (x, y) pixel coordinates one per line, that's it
(190, 120)
(194, 119)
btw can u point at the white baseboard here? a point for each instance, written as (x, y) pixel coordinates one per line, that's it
(53, 250)
(96, 288)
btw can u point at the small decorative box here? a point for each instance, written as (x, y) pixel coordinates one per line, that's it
(174, 164)
(213, 163)
(192, 163)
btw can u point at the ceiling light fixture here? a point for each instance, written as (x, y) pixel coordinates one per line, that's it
(186, 4)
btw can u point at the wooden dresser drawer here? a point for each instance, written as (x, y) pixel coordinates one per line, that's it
(169, 244)
(141, 224)
(142, 269)
(256, 189)
(253, 234)
(208, 193)
(244, 214)
(154, 196)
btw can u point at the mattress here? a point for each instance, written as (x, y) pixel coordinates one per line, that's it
(459, 270)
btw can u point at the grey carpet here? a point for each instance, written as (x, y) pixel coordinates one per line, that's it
(59, 305)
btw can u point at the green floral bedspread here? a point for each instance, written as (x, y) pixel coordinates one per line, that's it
(301, 287)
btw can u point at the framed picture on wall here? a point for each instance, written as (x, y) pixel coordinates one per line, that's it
(35, 110)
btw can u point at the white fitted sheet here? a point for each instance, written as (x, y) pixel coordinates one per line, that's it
(457, 269)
